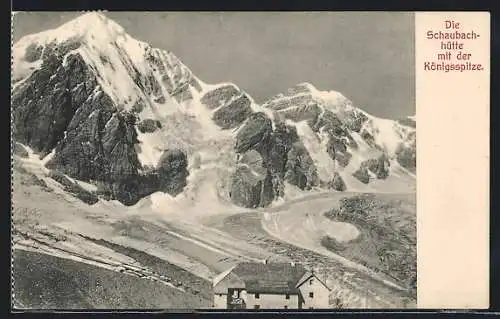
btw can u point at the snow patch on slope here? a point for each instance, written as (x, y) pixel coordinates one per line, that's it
(333, 100)
(204, 195)
(316, 146)
(385, 134)
(149, 149)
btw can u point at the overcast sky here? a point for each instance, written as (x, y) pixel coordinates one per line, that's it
(367, 56)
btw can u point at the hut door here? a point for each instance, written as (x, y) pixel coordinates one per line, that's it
(234, 299)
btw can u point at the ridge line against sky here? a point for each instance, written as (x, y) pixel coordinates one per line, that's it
(367, 56)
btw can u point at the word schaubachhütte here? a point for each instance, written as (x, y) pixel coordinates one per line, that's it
(457, 35)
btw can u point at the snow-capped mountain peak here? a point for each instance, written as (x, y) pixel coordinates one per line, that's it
(128, 70)
(90, 25)
(94, 23)
(113, 109)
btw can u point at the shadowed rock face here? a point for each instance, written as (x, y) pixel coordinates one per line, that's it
(250, 183)
(337, 150)
(337, 183)
(149, 126)
(33, 52)
(44, 105)
(246, 187)
(362, 175)
(354, 120)
(300, 169)
(338, 132)
(254, 134)
(231, 106)
(332, 124)
(281, 157)
(408, 122)
(407, 157)
(276, 156)
(378, 166)
(254, 161)
(298, 96)
(172, 171)
(368, 138)
(307, 112)
(280, 143)
(234, 113)
(61, 106)
(220, 96)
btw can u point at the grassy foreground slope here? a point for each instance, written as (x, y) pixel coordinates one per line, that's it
(43, 281)
(387, 242)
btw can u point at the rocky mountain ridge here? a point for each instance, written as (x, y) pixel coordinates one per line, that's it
(112, 111)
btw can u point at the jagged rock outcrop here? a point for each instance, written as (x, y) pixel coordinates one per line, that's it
(306, 112)
(149, 126)
(172, 171)
(175, 77)
(379, 166)
(231, 106)
(354, 120)
(33, 52)
(251, 183)
(368, 138)
(220, 96)
(276, 156)
(337, 150)
(408, 122)
(234, 113)
(362, 175)
(61, 106)
(407, 156)
(337, 183)
(338, 136)
(283, 158)
(44, 105)
(300, 169)
(246, 187)
(254, 160)
(254, 133)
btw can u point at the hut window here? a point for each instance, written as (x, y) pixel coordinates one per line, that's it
(311, 295)
(257, 296)
(287, 296)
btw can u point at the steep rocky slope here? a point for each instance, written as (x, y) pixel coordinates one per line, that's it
(109, 110)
